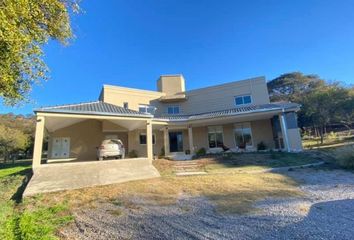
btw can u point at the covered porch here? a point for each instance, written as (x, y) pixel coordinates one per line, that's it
(238, 130)
(73, 133)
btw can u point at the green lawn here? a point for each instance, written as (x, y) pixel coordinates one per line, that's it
(327, 142)
(30, 219)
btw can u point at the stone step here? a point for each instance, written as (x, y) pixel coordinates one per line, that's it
(190, 173)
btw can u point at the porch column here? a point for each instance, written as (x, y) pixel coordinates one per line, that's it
(149, 146)
(38, 142)
(166, 142)
(284, 131)
(190, 138)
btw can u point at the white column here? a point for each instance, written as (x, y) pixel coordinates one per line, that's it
(284, 131)
(190, 138)
(38, 142)
(149, 145)
(166, 141)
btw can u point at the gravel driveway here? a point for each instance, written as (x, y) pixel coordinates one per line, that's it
(326, 211)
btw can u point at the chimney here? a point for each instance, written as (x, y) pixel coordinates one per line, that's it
(171, 84)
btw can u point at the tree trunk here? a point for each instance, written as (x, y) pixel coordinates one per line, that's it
(321, 134)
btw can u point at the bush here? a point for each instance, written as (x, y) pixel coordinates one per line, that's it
(345, 156)
(133, 154)
(201, 152)
(261, 146)
(162, 153)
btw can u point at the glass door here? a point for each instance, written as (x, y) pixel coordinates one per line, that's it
(176, 141)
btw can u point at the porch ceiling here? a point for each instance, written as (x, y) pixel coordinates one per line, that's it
(54, 123)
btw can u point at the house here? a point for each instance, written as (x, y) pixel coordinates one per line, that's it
(237, 116)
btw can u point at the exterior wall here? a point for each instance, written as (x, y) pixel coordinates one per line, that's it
(200, 138)
(219, 97)
(201, 100)
(261, 131)
(85, 137)
(134, 142)
(134, 97)
(171, 84)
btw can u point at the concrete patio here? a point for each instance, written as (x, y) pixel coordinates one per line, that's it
(65, 176)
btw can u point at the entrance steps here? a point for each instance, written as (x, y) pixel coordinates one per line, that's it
(187, 168)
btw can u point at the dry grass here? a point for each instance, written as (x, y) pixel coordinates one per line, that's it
(229, 193)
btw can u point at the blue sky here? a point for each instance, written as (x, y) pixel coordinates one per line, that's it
(131, 43)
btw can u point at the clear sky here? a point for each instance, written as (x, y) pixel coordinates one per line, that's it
(130, 43)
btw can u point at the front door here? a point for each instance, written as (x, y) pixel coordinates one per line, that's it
(176, 141)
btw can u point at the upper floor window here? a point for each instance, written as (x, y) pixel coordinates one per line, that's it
(146, 109)
(125, 105)
(173, 110)
(242, 100)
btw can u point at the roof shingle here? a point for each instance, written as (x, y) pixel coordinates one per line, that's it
(93, 108)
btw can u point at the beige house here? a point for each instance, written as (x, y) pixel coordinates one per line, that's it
(235, 116)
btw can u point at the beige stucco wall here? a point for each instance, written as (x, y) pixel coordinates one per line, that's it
(134, 97)
(84, 138)
(134, 142)
(201, 100)
(171, 84)
(87, 135)
(261, 131)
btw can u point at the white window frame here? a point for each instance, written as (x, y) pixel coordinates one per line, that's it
(153, 137)
(243, 100)
(146, 107)
(174, 107)
(215, 131)
(243, 125)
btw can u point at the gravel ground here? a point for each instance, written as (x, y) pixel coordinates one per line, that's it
(325, 212)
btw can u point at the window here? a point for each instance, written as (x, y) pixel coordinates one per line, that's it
(215, 137)
(173, 110)
(147, 109)
(243, 135)
(242, 100)
(125, 105)
(142, 138)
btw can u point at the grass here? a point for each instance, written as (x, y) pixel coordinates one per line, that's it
(30, 219)
(241, 162)
(229, 193)
(327, 142)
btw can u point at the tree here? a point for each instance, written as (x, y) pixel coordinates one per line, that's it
(292, 86)
(325, 105)
(24, 27)
(12, 140)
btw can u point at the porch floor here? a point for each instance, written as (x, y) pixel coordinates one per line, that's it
(65, 176)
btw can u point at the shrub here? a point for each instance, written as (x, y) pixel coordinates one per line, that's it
(332, 135)
(261, 146)
(345, 156)
(201, 152)
(133, 154)
(162, 152)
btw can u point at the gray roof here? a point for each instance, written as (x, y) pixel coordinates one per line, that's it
(93, 108)
(103, 108)
(287, 106)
